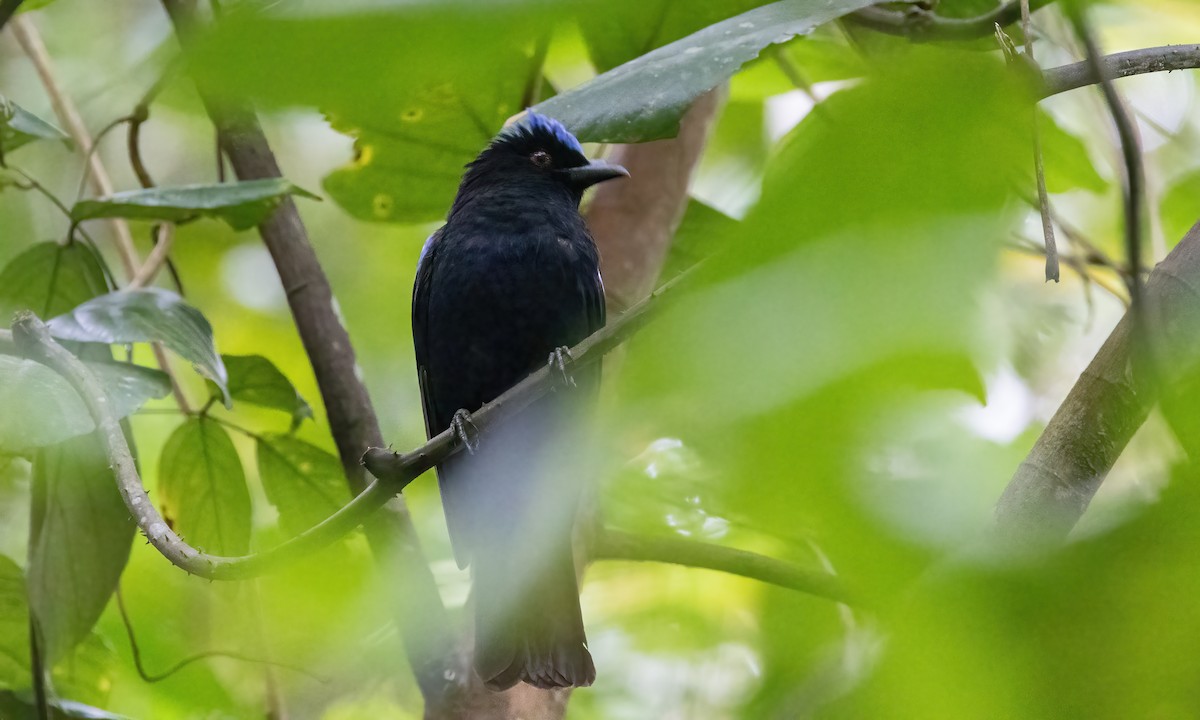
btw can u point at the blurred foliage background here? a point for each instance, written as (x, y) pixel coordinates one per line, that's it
(849, 384)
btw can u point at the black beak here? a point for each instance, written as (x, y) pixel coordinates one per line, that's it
(597, 171)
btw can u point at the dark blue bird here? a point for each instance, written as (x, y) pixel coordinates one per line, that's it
(509, 281)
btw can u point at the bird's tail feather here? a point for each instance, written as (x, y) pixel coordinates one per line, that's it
(535, 635)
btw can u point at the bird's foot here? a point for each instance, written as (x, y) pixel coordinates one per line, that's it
(465, 430)
(560, 362)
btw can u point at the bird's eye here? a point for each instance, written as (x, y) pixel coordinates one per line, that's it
(541, 159)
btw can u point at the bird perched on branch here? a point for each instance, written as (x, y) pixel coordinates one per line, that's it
(505, 286)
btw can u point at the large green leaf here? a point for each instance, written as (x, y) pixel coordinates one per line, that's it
(305, 483)
(644, 98)
(50, 279)
(14, 626)
(256, 380)
(80, 537)
(203, 488)
(700, 234)
(1066, 160)
(1180, 207)
(146, 315)
(42, 409)
(20, 127)
(241, 204)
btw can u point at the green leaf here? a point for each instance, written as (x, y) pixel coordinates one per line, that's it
(644, 98)
(80, 537)
(42, 409)
(146, 315)
(256, 380)
(700, 234)
(1066, 160)
(14, 627)
(203, 488)
(1180, 207)
(20, 127)
(241, 204)
(305, 483)
(50, 279)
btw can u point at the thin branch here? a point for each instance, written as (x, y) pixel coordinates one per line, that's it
(150, 677)
(38, 670)
(919, 24)
(31, 42)
(618, 545)
(1118, 65)
(1134, 178)
(164, 237)
(33, 340)
(1039, 167)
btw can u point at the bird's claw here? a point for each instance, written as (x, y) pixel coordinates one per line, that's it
(465, 430)
(560, 362)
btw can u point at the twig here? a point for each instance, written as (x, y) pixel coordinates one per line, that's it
(1039, 167)
(31, 42)
(164, 237)
(1118, 65)
(150, 677)
(924, 25)
(1134, 177)
(33, 339)
(618, 545)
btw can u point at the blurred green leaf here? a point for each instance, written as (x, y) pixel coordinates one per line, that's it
(87, 674)
(815, 58)
(305, 483)
(634, 29)
(256, 380)
(146, 315)
(1066, 160)
(41, 408)
(241, 204)
(1180, 207)
(80, 539)
(19, 127)
(14, 627)
(644, 99)
(203, 488)
(50, 279)
(700, 234)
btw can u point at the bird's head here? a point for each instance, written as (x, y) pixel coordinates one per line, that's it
(537, 152)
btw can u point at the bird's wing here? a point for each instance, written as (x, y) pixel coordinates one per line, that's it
(594, 293)
(420, 327)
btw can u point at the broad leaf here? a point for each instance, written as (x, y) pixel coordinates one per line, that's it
(80, 537)
(1180, 207)
(14, 627)
(256, 380)
(699, 235)
(20, 127)
(50, 279)
(305, 483)
(203, 488)
(644, 98)
(241, 204)
(146, 315)
(1066, 160)
(42, 409)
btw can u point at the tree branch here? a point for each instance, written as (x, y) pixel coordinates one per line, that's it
(1118, 65)
(618, 545)
(1052, 488)
(923, 25)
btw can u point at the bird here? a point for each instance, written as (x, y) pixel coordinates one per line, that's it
(505, 286)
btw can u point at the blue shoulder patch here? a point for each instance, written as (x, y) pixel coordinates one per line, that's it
(535, 122)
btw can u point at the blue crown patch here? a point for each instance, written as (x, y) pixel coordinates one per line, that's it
(536, 123)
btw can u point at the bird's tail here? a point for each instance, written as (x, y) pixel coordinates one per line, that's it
(528, 625)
